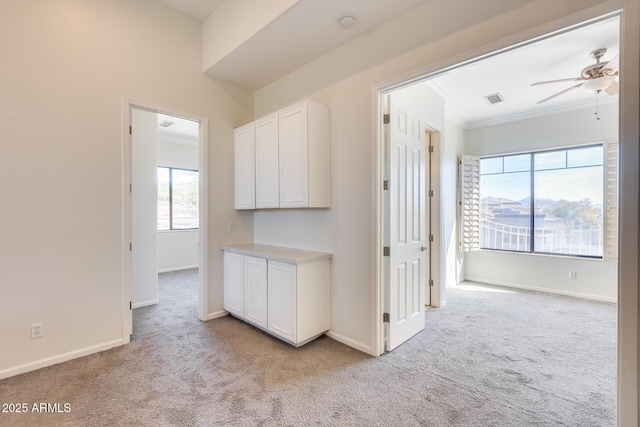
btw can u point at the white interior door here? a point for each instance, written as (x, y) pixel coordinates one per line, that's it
(407, 221)
(144, 202)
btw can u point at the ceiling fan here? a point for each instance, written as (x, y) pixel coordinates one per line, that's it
(596, 77)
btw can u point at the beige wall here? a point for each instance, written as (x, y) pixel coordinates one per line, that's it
(70, 64)
(67, 65)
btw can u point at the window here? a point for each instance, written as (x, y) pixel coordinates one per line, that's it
(561, 202)
(177, 198)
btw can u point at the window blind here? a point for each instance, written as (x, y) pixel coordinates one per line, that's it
(611, 200)
(469, 177)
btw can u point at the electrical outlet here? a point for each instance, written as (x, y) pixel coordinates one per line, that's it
(573, 275)
(229, 227)
(37, 330)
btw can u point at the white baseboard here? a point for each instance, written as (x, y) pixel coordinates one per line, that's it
(145, 303)
(349, 342)
(216, 315)
(539, 289)
(185, 267)
(54, 360)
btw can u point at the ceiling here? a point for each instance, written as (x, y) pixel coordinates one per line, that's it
(311, 29)
(197, 9)
(303, 33)
(177, 130)
(512, 73)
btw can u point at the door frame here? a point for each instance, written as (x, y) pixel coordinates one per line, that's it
(127, 105)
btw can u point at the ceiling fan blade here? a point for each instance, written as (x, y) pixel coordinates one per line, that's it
(613, 88)
(560, 93)
(574, 79)
(612, 65)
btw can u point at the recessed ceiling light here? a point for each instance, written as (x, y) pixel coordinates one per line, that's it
(165, 123)
(495, 98)
(347, 21)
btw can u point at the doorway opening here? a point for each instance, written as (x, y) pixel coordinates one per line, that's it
(474, 131)
(587, 120)
(164, 185)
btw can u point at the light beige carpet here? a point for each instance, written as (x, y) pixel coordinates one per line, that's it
(492, 357)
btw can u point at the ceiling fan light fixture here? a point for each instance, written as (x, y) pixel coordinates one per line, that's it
(599, 83)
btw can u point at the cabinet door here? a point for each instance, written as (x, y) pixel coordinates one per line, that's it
(282, 300)
(293, 156)
(266, 146)
(234, 284)
(244, 162)
(255, 279)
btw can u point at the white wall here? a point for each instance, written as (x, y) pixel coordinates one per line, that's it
(595, 278)
(71, 64)
(177, 249)
(343, 80)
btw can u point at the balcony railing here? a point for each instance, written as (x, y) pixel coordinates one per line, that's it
(577, 240)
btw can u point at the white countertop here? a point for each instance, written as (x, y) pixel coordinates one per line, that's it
(277, 253)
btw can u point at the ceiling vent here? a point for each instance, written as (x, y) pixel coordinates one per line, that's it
(165, 123)
(496, 98)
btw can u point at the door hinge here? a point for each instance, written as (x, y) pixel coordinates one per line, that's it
(430, 193)
(130, 246)
(430, 282)
(130, 129)
(385, 185)
(431, 237)
(130, 188)
(386, 251)
(385, 317)
(386, 119)
(431, 148)
(130, 306)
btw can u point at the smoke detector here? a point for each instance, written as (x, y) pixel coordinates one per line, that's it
(347, 21)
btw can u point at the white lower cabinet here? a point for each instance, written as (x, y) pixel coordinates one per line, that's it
(281, 290)
(282, 300)
(234, 274)
(255, 280)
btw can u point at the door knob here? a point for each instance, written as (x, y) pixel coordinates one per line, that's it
(423, 248)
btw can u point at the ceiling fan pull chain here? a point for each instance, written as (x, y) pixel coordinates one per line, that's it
(598, 105)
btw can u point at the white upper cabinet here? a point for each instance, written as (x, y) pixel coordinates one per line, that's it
(244, 167)
(292, 160)
(304, 156)
(266, 148)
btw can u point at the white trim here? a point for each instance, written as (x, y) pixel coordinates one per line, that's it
(215, 315)
(64, 357)
(539, 289)
(351, 343)
(184, 267)
(203, 203)
(629, 188)
(145, 303)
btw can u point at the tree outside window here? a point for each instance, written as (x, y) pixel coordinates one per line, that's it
(178, 191)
